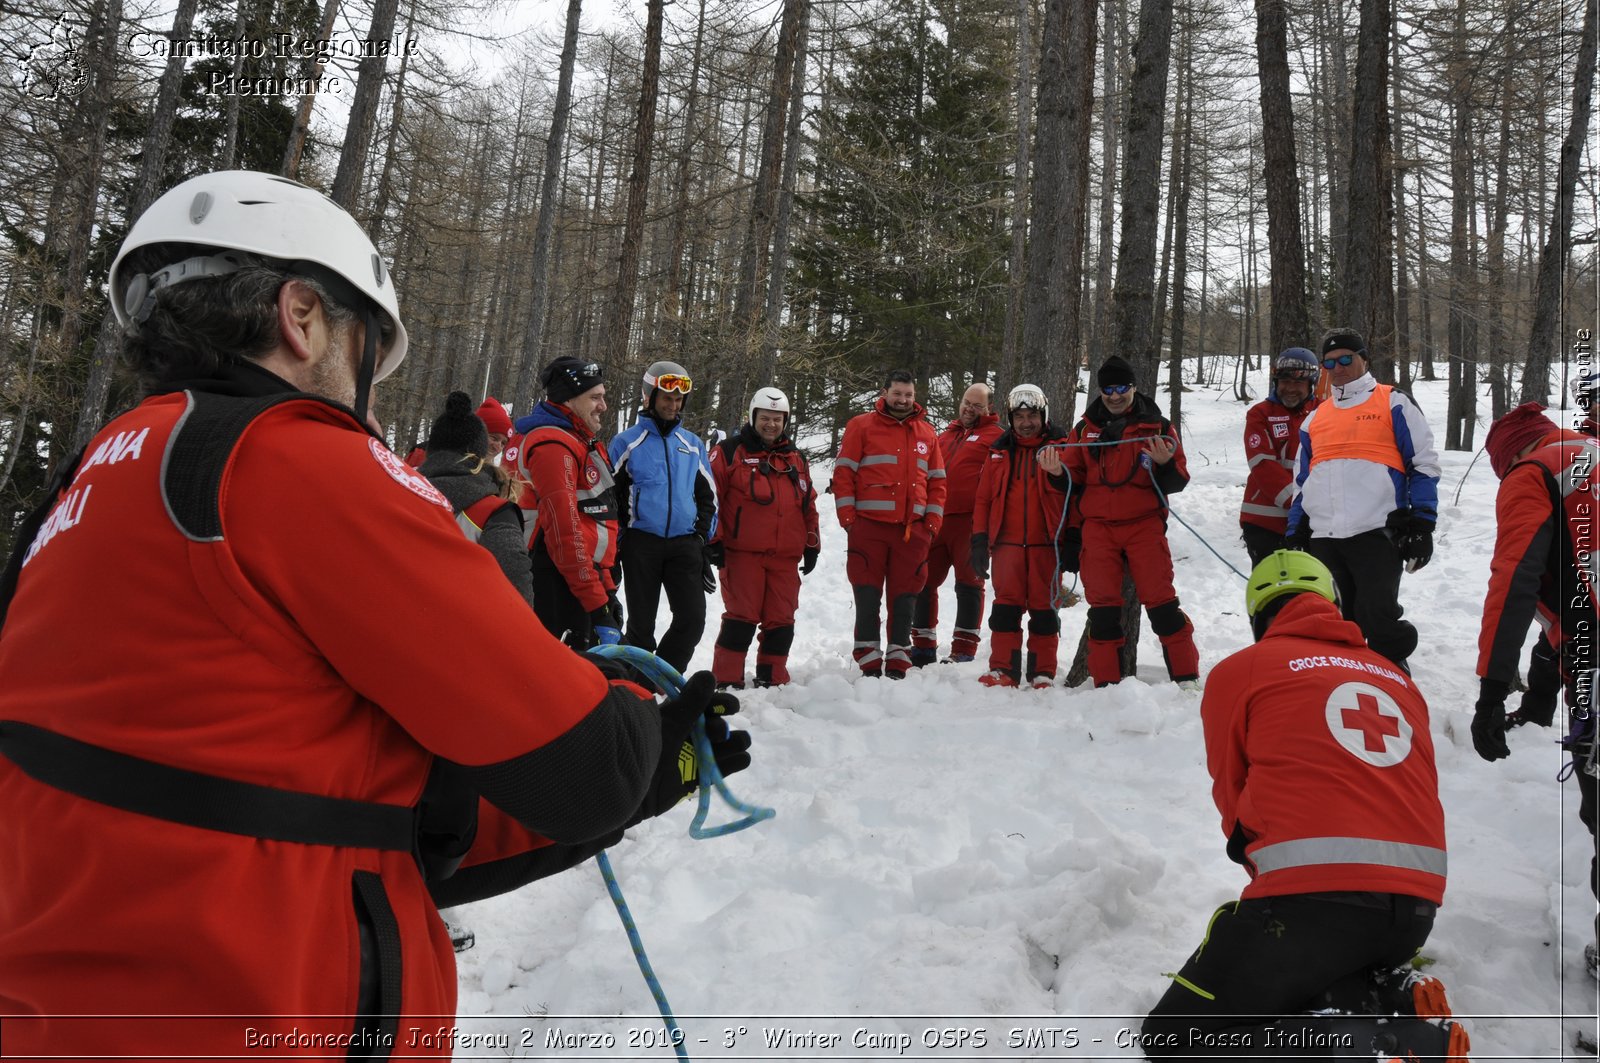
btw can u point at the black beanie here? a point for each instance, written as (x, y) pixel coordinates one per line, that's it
(1114, 370)
(1344, 339)
(567, 377)
(458, 428)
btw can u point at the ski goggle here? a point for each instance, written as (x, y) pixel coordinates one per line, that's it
(1343, 359)
(1115, 389)
(674, 382)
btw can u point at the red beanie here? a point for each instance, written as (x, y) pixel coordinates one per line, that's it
(494, 417)
(1514, 433)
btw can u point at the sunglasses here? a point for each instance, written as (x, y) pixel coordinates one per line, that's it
(673, 382)
(1116, 389)
(1343, 359)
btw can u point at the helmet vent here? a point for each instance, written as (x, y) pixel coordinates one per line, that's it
(377, 269)
(200, 207)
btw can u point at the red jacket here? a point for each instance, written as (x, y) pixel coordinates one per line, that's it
(890, 470)
(1113, 483)
(1321, 762)
(569, 506)
(278, 649)
(1545, 563)
(1018, 504)
(966, 452)
(1271, 442)
(766, 502)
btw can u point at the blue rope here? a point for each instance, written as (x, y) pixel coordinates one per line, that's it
(670, 682)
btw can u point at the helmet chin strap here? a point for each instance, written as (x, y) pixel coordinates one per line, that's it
(369, 365)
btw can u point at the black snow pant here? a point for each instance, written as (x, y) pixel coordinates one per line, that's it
(556, 606)
(1367, 568)
(1259, 542)
(651, 564)
(1270, 957)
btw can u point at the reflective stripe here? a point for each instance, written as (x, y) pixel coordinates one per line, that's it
(1579, 467)
(924, 633)
(469, 529)
(918, 511)
(1263, 511)
(1310, 852)
(846, 463)
(1286, 495)
(922, 464)
(937, 474)
(875, 507)
(845, 500)
(879, 459)
(1259, 458)
(935, 511)
(899, 653)
(602, 540)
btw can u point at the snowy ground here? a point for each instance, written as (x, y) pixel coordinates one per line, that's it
(953, 865)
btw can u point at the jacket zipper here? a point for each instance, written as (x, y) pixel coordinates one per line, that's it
(666, 456)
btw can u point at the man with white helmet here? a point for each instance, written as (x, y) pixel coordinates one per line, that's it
(668, 513)
(227, 789)
(767, 507)
(1019, 512)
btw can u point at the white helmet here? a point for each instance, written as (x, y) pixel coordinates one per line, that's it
(770, 399)
(1027, 397)
(261, 214)
(668, 376)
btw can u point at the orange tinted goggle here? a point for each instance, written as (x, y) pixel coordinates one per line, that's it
(673, 382)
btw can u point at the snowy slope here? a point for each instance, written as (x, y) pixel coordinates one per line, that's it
(949, 859)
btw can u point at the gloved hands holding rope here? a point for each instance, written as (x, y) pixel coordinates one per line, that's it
(678, 771)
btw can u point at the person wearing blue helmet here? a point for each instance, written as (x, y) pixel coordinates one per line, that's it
(1271, 444)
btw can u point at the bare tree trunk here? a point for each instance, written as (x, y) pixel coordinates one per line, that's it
(618, 321)
(1010, 344)
(1424, 279)
(533, 339)
(311, 71)
(780, 229)
(1362, 273)
(364, 107)
(673, 305)
(1286, 248)
(1184, 141)
(230, 138)
(1463, 324)
(380, 203)
(1543, 337)
(1402, 286)
(1112, 110)
(1133, 293)
(1499, 341)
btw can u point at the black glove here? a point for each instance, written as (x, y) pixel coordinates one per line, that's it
(1416, 544)
(716, 553)
(678, 770)
(1299, 538)
(607, 623)
(980, 556)
(808, 560)
(1070, 547)
(1489, 720)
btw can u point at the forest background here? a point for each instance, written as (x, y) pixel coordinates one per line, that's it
(812, 192)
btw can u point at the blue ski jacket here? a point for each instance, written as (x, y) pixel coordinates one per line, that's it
(665, 481)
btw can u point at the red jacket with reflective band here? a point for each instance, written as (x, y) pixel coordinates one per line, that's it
(1018, 505)
(569, 504)
(1321, 762)
(284, 654)
(1546, 562)
(1116, 481)
(1271, 442)
(766, 502)
(890, 470)
(966, 453)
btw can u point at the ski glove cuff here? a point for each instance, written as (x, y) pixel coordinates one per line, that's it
(1489, 720)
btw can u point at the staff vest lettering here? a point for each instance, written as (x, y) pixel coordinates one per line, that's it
(437, 831)
(1363, 432)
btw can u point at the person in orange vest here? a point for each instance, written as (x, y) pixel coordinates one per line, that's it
(964, 446)
(240, 821)
(1018, 514)
(1544, 569)
(1368, 493)
(1271, 441)
(889, 491)
(1322, 768)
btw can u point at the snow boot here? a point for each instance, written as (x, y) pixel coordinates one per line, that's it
(897, 662)
(922, 656)
(1005, 655)
(771, 671)
(996, 677)
(1105, 644)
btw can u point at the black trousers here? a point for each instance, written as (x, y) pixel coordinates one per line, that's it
(1259, 542)
(651, 564)
(557, 607)
(1270, 957)
(1367, 569)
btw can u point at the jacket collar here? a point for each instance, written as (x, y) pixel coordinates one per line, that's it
(1311, 616)
(1143, 409)
(882, 409)
(244, 379)
(553, 415)
(988, 420)
(751, 441)
(1356, 391)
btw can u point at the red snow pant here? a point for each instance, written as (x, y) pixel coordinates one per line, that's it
(951, 549)
(1024, 579)
(758, 589)
(1138, 547)
(893, 557)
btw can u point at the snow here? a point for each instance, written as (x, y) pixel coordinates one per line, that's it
(950, 862)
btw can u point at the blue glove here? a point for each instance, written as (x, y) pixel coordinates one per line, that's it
(607, 636)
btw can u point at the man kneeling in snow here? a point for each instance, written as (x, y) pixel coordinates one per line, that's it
(1322, 767)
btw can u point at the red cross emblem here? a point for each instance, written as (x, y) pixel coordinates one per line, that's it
(1370, 722)
(1367, 721)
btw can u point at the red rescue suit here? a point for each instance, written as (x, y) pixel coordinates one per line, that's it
(1271, 443)
(1321, 761)
(1120, 508)
(767, 506)
(260, 641)
(1019, 511)
(965, 452)
(889, 491)
(569, 506)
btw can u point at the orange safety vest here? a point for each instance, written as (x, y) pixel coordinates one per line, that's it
(1363, 432)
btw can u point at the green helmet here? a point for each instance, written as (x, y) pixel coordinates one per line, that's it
(1287, 572)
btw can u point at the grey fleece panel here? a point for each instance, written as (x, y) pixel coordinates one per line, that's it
(586, 783)
(503, 537)
(1522, 600)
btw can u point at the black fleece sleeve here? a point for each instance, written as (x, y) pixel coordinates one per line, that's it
(587, 783)
(624, 494)
(502, 876)
(705, 505)
(1169, 477)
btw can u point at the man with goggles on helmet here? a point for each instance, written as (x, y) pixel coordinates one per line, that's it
(1271, 441)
